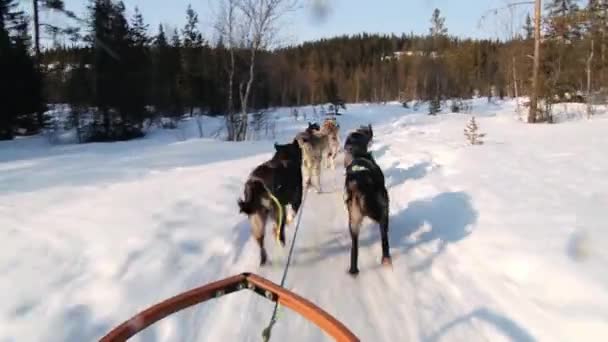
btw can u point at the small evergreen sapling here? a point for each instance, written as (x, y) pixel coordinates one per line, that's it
(472, 134)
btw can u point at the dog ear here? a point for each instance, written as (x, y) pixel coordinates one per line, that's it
(276, 146)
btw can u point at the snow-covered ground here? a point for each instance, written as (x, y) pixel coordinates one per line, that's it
(499, 242)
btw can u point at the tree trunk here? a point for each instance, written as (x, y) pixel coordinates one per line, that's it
(39, 112)
(298, 96)
(36, 33)
(515, 90)
(357, 87)
(245, 96)
(230, 118)
(589, 61)
(532, 116)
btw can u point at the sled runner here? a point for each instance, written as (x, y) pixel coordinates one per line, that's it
(243, 281)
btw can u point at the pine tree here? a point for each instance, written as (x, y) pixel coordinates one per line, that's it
(435, 77)
(113, 70)
(140, 65)
(167, 75)
(471, 132)
(139, 30)
(435, 106)
(192, 36)
(103, 60)
(528, 28)
(438, 24)
(28, 86)
(560, 8)
(193, 63)
(7, 114)
(20, 83)
(162, 73)
(597, 18)
(79, 94)
(175, 67)
(120, 42)
(562, 21)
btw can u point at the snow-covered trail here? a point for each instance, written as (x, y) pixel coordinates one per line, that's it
(499, 242)
(404, 303)
(317, 272)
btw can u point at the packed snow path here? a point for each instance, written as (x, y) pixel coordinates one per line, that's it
(499, 242)
(318, 272)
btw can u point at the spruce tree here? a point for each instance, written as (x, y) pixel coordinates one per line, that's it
(28, 84)
(435, 106)
(562, 22)
(139, 68)
(471, 133)
(79, 94)
(7, 114)
(20, 83)
(104, 58)
(162, 73)
(528, 28)
(437, 24)
(175, 68)
(121, 97)
(193, 63)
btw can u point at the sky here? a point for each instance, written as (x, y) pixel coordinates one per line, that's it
(344, 17)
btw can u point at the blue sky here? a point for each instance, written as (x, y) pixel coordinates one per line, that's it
(346, 16)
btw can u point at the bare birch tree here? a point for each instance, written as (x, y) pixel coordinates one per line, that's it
(252, 25)
(226, 27)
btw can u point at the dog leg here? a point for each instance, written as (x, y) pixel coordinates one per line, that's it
(296, 201)
(354, 224)
(290, 214)
(333, 160)
(317, 178)
(258, 223)
(282, 229)
(307, 177)
(386, 255)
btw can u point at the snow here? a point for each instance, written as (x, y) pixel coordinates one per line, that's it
(502, 241)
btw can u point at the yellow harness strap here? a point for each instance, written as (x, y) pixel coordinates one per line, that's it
(280, 215)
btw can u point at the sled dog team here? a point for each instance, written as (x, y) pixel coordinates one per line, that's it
(281, 180)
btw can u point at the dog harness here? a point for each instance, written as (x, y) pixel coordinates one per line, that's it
(358, 168)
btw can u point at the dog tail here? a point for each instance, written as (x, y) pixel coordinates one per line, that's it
(254, 193)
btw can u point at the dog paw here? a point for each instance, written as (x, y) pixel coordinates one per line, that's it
(353, 272)
(387, 261)
(290, 216)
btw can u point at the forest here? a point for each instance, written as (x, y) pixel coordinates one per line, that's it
(117, 73)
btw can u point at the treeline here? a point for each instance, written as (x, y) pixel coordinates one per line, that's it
(123, 75)
(22, 105)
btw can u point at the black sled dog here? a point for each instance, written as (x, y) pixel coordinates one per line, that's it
(357, 142)
(366, 196)
(270, 187)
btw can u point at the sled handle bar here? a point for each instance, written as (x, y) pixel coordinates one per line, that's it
(257, 284)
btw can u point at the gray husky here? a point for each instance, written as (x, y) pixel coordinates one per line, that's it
(332, 130)
(314, 144)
